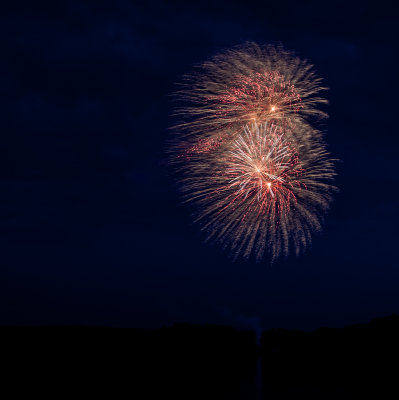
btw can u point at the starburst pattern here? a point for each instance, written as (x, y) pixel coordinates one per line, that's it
(244, 84)
(257, 171)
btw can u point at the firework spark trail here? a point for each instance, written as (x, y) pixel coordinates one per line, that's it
(246, 83)
(250, 195)
(258, 96)
(259, 165)
(257, 171)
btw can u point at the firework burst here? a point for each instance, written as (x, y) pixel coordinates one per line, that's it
(257, 171)
(246, 84)
(259, 192)
(261, 169)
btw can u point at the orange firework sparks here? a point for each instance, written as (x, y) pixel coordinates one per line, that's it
(257, 171)
(265, 96)
(261, 169)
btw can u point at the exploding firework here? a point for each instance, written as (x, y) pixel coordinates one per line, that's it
(257, 96)
(261, 170)
(258, 173)
(247, 84)
(260, 191)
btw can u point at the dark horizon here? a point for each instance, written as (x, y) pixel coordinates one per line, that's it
(197, 361)
(93, 231)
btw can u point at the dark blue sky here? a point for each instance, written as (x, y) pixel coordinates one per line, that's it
(92, 230)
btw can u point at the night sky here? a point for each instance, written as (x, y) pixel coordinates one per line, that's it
(92, 228)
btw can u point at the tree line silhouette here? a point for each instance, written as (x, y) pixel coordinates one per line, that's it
(202, 361)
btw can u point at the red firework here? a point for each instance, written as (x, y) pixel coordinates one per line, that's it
(260, 97)
(261, 169)
(252, 163)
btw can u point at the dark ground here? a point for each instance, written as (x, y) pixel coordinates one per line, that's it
(203, 361)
